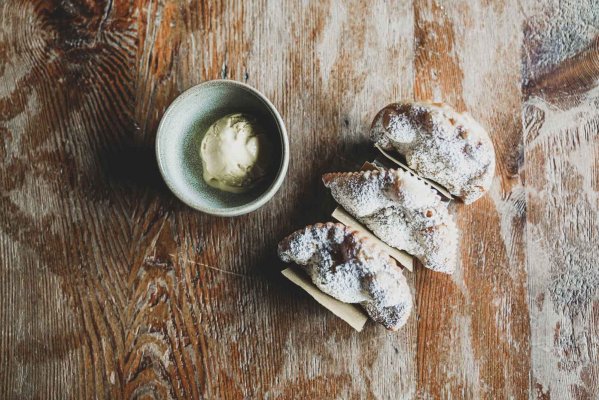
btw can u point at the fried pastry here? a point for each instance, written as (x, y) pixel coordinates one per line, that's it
(348, 267)
(440, 144)
(402, 211)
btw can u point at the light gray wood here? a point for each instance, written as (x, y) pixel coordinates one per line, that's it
(561, 136)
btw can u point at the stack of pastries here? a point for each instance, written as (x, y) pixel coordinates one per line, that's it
(401, 209)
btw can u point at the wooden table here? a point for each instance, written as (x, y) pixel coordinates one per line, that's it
(111, 288)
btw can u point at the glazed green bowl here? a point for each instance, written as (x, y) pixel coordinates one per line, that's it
(181, 131)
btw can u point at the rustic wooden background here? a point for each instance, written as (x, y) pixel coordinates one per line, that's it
(111, 288)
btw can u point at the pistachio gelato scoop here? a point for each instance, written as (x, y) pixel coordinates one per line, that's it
(236, 154)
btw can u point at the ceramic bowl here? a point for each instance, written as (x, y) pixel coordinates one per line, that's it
(181, 131)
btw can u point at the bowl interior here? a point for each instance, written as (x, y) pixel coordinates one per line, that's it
(182, 130)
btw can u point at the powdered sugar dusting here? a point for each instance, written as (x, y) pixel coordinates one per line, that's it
(402, 211)
(439, 143)
(349, 268)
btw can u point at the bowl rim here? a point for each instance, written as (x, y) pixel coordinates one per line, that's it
(283, 166)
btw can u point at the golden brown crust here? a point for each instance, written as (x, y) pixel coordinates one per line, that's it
(400, 210)
(350, 267)
(440, 144)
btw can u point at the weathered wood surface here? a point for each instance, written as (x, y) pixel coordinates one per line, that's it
(561, 147)
(480, 336)
(110, 288)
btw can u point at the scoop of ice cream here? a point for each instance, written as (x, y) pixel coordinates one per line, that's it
(235, 154)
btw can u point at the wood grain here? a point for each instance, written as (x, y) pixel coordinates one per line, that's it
(475, 323)
(252, 343)
(111, 288)
(561, 139)
(139, 296)
(65, 97)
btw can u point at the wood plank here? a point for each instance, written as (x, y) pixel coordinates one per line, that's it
(135, 294)
(66, 107)
(561, 130)
(259, 335)
(475, 322)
